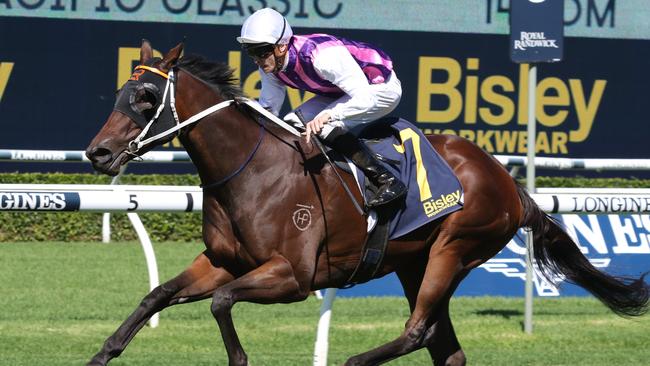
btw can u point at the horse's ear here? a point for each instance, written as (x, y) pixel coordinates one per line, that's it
(171, 57)
(146, 52)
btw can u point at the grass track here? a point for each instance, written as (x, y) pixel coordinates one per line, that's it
(60, 301)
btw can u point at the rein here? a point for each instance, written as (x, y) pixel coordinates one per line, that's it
(139, 142)
(241, 167)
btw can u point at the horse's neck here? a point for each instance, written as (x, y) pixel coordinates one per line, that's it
(226, 141)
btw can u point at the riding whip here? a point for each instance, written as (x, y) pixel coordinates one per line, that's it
(322, 150)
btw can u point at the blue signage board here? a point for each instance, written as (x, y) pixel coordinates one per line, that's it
(453, 83)
(616, 244)
(536, 30)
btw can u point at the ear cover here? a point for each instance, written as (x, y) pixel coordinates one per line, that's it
(127, 103)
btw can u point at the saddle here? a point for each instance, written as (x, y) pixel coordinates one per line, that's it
(433, 189)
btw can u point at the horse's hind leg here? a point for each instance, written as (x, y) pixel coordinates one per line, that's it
(443, 272)
(195, 283)
(444, 347)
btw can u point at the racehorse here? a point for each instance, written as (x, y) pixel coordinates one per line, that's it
(254, 174)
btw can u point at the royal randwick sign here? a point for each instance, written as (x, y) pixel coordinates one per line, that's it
(536, 30)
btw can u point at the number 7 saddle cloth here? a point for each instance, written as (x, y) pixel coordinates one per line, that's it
(433, 189)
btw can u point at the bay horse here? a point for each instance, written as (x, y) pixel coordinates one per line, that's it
(254, 175)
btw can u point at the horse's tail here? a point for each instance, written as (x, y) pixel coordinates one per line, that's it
(556, 253)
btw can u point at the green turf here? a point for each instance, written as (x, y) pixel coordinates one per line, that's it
(60, 301)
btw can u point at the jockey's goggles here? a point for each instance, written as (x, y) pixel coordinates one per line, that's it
(259, 51)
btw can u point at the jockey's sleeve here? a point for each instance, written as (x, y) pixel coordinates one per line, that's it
(337, 65)
(273, 93)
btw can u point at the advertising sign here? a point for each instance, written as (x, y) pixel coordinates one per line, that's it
(536, 30)
(616, 244)
(62, 60)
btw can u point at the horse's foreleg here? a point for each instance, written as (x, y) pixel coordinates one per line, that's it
(195, 283)
(272, 282)
(444, 270)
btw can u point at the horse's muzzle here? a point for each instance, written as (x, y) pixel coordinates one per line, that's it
(104, 159)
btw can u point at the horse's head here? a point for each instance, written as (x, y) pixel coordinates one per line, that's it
(142, 109)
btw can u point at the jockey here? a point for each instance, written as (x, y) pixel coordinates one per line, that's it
(354, 85)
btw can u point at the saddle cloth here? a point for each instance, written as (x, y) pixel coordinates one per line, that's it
(433, 189)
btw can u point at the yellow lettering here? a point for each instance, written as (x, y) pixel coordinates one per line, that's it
(471, 92)
(506, 141)
(468, 134)
(125, 58)
(5, 72)
(558, 142)
(560, 98)
(428, 208)
(542, 144)
(483, 140)
(522, 139)
(294, 97)
(427, 88)
(234, 61)
(175, 143)
(523, 94)
(500, 100)
(586, 110)
(250, 85)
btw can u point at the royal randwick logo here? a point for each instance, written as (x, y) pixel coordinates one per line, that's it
(534, 40)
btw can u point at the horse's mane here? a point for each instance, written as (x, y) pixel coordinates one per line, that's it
(217, 74)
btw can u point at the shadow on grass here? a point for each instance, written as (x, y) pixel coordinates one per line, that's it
(506, 314)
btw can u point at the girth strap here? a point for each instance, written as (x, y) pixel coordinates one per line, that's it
(374, 249)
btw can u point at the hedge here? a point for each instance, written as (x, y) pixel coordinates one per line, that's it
(178, 227)
(85, 226)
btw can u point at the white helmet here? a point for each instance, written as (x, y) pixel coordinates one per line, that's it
(265, 26)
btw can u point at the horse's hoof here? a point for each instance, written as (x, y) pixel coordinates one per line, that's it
(353, 362)
(95, 362)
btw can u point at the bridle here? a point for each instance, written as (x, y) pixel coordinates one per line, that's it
(139, 142)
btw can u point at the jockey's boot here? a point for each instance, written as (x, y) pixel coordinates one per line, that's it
(390, 188)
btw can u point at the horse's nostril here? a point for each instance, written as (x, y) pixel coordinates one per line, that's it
(98, 154)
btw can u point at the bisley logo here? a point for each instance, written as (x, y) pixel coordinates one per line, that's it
(432, 206)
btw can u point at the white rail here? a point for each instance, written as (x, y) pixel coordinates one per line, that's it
(181, 156)
(131, 199)
(577, 164)
(106, 198)
(80, 156)
(99, 198)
